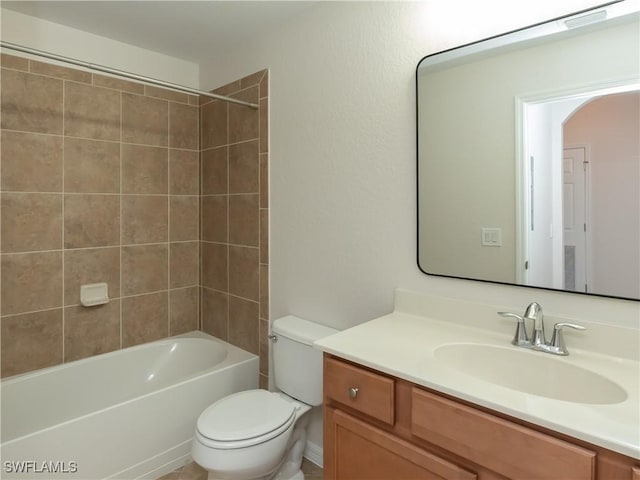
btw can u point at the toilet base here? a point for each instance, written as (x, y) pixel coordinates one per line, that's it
(290, 466)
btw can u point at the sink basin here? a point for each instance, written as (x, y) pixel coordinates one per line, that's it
(530, 372)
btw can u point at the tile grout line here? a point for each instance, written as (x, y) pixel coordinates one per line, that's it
(168, 219)
(91, 139)
(62, 219)
(121, 316)
(228, 226)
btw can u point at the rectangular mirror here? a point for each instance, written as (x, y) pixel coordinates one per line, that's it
(529, 156)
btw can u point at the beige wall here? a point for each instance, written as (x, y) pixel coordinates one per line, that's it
(608, 127)
(99, 184)
(60, 39)
(235, 217)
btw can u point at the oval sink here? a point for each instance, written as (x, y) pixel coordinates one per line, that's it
(530, 372)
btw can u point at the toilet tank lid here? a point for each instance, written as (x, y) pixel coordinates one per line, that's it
(301, 330)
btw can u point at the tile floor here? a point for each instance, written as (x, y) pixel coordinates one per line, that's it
(193, 471)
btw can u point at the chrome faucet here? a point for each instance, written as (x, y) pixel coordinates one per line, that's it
(538, 340)
(534, 312)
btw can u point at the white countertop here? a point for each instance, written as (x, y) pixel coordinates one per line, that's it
(402, 344)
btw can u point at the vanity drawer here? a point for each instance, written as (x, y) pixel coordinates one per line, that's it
(360, 389)
(507, 448)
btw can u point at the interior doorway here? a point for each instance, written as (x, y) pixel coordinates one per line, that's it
(555, 244)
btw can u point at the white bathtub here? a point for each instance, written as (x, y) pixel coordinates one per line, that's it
(125, 414)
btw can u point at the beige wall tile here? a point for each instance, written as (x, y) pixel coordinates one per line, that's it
(157, 92)
(31, 281)
(14, 62)
(183, 264)
(91, 166)
(264, 125)
(144, 120)
(253, 79)
(263, 382)
(145, 169)
(91, 331)
(264, 84)
(229, 88)
(264, 180)
(244, 220)
(243, 167)
(183, 217)
(117, 84)
(264, 292)
(215, 313)
(214, 171)
(31, 222)
(264, 236)
(31, 162)
(31, 341)
(184, 172)
(91, 220)
(144, 219)
(243, 324)
(214, 266)
(264, 347)
(183, 126)
(244, 122)
(145, 318)
(91, 265)
(213, 124)
(59, 71)
(31, 103)
(214, 218)
(183, 310)
(144, 269)
(91, 112)
(244, 272)
(194, 100)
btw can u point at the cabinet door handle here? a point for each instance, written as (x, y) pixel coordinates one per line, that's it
(353, 392)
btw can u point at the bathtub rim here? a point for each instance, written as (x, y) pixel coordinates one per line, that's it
(193, 334)
(235, 356)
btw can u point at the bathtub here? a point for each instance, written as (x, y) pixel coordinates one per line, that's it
(125, 414)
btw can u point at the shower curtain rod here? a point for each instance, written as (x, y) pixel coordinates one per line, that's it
(122, 73)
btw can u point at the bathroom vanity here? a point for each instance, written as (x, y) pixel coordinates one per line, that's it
(395, 407)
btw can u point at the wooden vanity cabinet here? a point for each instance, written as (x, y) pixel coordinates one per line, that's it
(380, 427)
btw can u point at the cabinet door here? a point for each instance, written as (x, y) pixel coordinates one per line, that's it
(355, 450)
(504, 447)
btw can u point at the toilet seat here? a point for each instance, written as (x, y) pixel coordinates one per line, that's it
(245, 419)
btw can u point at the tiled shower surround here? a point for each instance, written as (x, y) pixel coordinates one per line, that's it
(100, 182)
(234, 209)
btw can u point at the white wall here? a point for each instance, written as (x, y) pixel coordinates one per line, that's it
(62, 40)
(342, 153)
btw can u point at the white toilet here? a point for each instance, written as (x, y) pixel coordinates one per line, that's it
(259, 434)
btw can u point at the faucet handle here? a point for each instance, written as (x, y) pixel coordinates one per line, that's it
(557, 340)
(520, 338)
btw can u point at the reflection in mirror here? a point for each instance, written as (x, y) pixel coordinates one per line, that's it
(529, 156)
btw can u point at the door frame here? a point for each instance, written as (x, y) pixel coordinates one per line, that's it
(522, 200)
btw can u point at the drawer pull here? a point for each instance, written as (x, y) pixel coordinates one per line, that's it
(353, 392)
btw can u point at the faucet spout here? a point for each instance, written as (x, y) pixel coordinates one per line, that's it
(534, 312)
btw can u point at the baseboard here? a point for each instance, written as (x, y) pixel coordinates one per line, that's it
(313, 453)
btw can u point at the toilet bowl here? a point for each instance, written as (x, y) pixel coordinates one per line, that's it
(257, 434)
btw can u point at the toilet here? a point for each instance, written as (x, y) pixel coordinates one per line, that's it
(257, 434)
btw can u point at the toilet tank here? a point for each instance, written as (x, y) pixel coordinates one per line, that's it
(297, 365)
